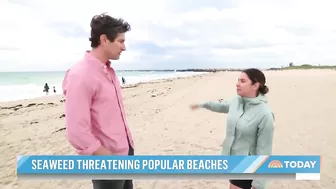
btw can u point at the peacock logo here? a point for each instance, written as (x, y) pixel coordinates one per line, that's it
(275, 164)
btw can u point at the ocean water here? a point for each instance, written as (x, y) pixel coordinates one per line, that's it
(27, 85)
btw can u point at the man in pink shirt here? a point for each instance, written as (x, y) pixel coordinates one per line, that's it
(95, 116)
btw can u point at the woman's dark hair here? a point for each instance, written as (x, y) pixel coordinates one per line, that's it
(255, 76)
(105, 24)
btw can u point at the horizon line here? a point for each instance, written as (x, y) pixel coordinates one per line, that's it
(193, 69)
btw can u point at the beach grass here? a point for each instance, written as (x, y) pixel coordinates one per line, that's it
(305, 67)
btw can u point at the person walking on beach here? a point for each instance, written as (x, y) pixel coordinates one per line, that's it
(250, 122)
(54, 88)
(123, 80)
(46, 88)
(95, 115)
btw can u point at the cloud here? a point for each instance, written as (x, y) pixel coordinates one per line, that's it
(52, 35)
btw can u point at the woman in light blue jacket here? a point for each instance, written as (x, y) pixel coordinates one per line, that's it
(250, 122)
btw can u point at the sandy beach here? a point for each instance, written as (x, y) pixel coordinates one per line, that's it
(162, 123)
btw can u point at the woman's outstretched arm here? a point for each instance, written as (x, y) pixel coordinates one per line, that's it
(220, 107)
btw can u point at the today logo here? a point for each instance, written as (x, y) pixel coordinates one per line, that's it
(292, 164)
(275, 164)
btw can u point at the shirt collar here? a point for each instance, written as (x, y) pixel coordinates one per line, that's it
(95, 63)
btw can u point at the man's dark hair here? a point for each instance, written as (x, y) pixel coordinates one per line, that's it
(105, 24)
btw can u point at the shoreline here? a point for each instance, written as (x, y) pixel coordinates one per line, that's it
(132, 85)
(163, 80)
(197, 72)
(126, 86)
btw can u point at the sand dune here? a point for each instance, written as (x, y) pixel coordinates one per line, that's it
(161, 123)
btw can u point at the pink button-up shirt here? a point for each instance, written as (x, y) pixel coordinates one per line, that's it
(94, 110)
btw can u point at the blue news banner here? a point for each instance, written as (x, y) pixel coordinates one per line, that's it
(190, 165)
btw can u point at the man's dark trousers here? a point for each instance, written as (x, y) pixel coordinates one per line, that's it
(114, 184)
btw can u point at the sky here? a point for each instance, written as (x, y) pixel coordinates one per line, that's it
(40, 35)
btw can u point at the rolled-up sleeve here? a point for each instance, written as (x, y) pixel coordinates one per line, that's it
(78, 100)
